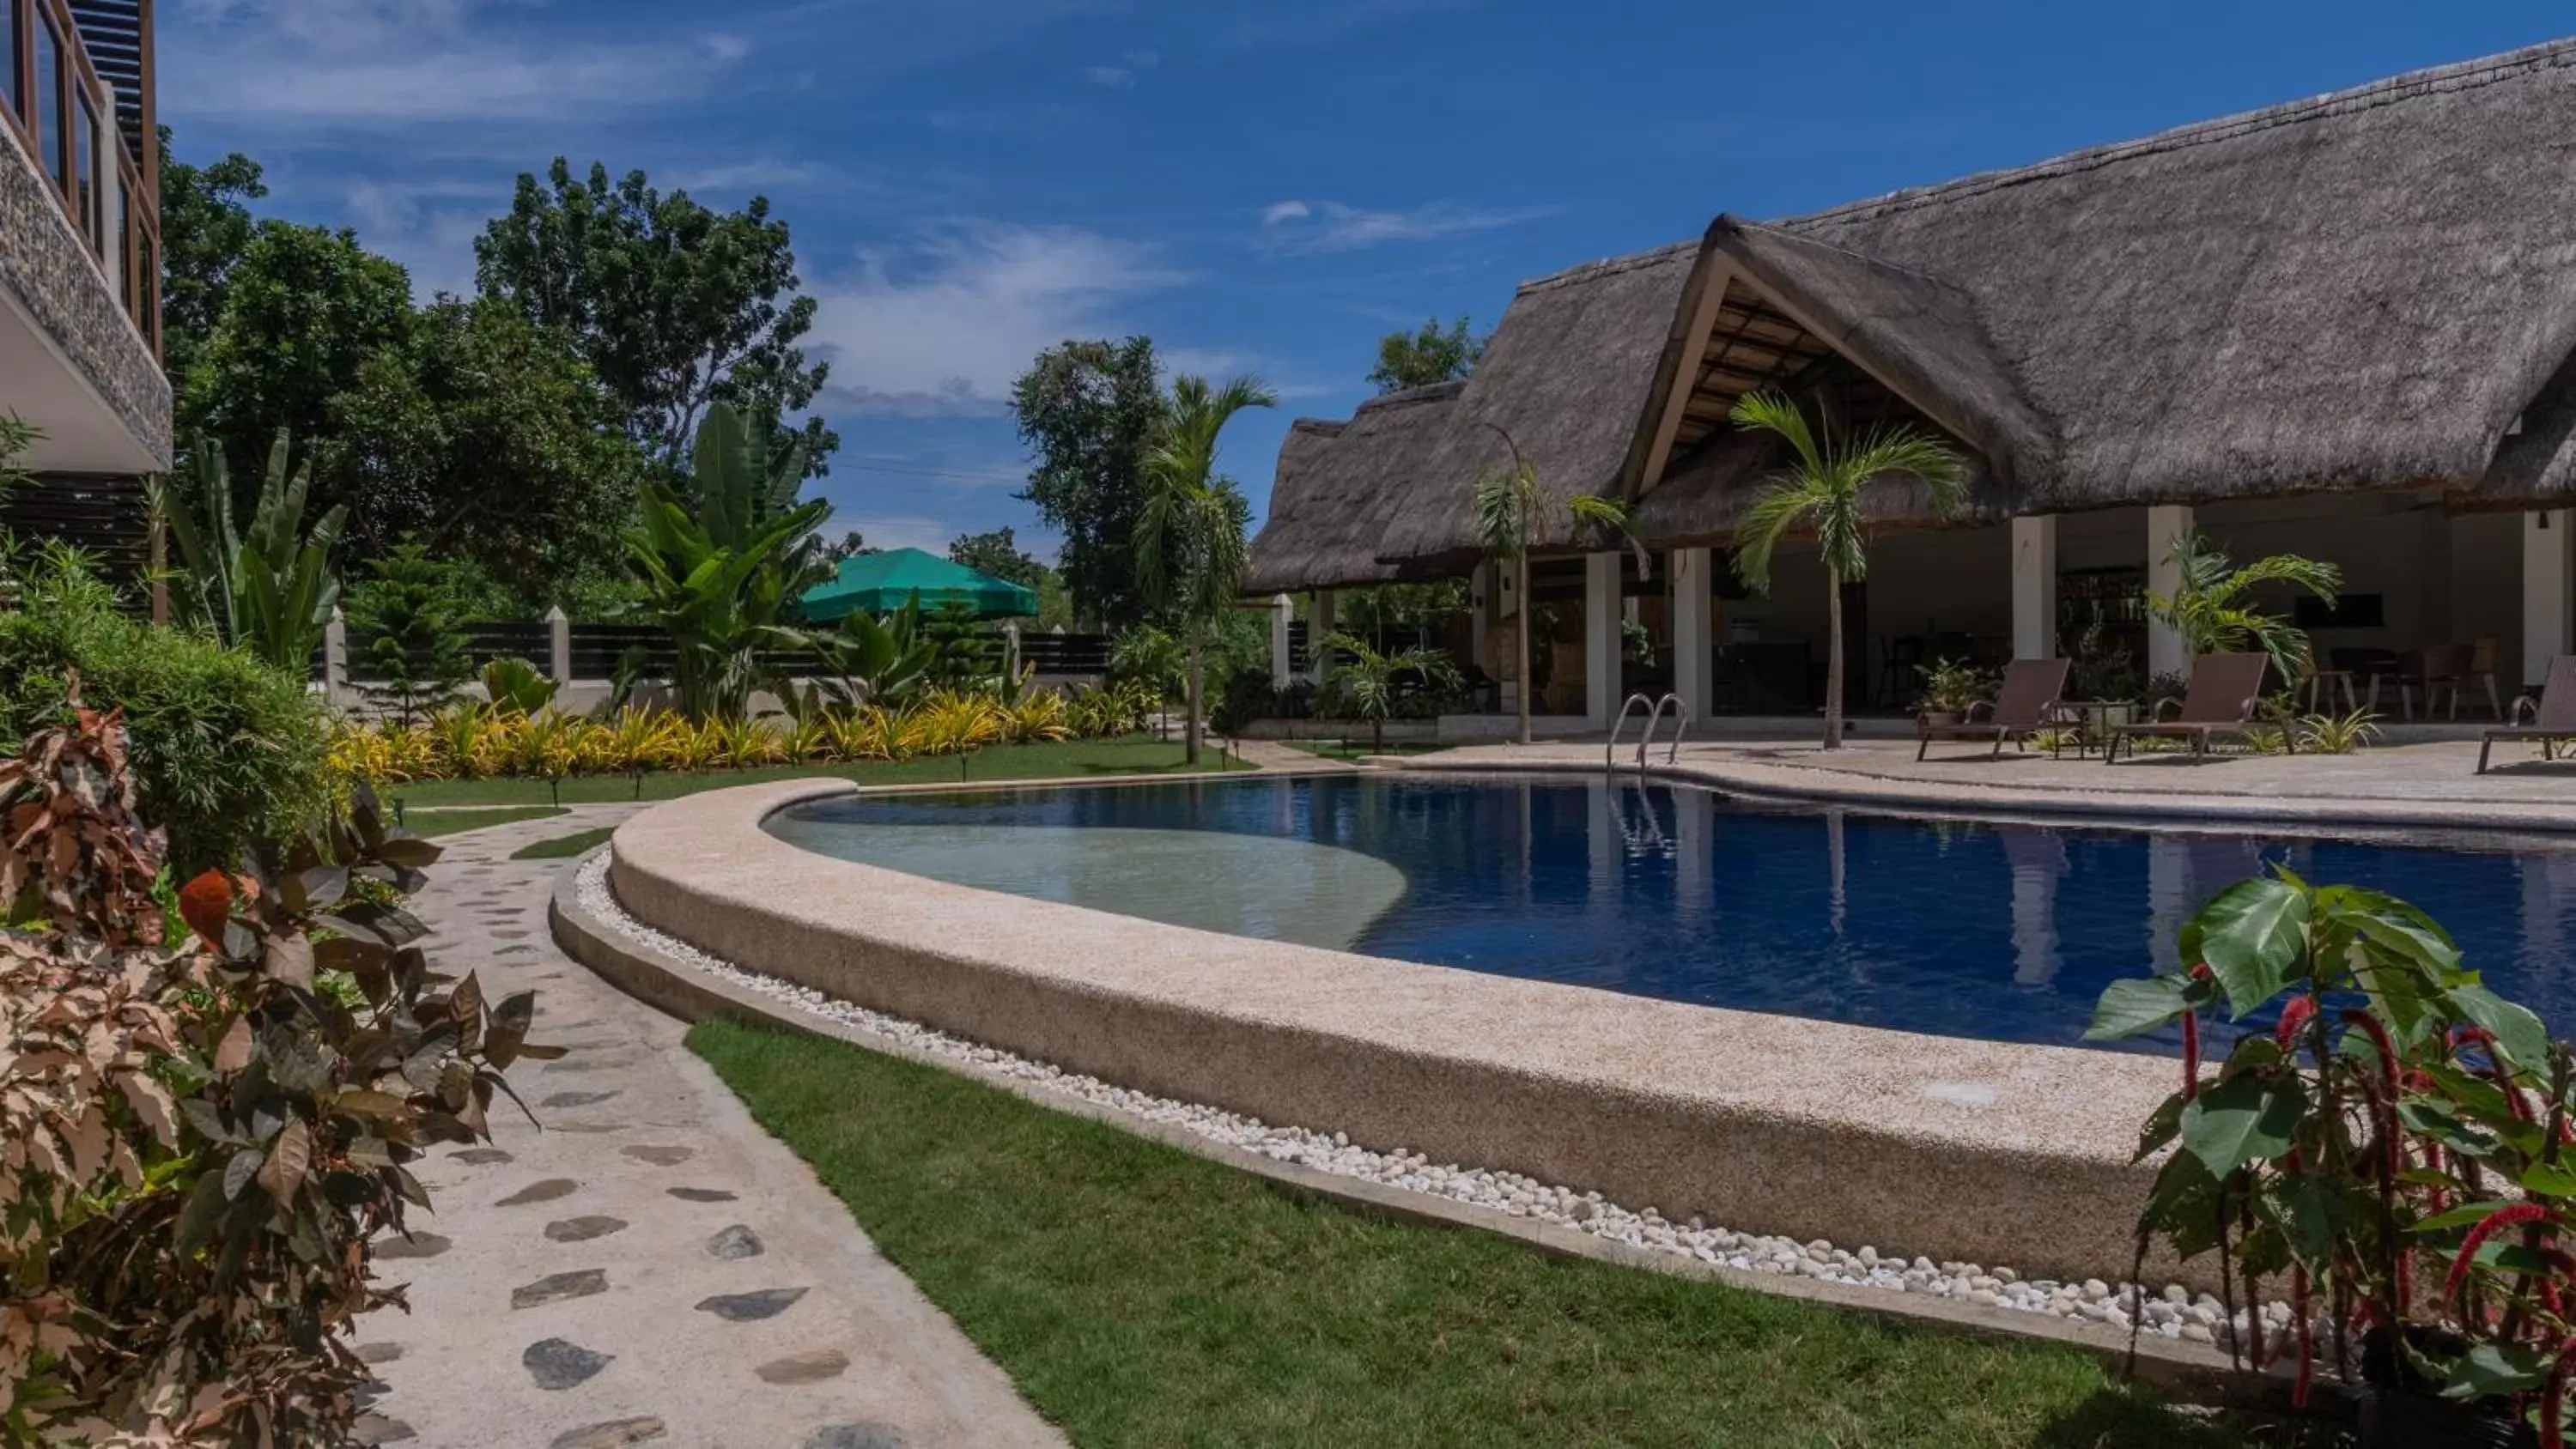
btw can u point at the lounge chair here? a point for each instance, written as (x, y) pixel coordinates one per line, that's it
(2027, 702)
(2549, 719)
(2225, 698)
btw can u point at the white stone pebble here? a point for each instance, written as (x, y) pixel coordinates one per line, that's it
(2171, 1313)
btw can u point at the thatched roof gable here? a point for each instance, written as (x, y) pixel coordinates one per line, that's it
(1336, 486)
(1917, 334)
(1566, 373)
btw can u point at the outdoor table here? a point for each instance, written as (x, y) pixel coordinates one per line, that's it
(2327, 681)
(2092, 719)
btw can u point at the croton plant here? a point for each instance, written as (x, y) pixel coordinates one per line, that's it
(203, 1127)
(2394, 1149)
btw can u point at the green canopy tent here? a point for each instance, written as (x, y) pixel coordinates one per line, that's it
(880, 583)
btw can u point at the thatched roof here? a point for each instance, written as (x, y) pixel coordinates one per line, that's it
(2366, 290)
(1336, 485)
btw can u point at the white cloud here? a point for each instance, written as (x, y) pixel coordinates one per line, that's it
(942, 327)
(382, 63)
(428, 226)
(747, 176)
(1336, 227)
(1122, 76)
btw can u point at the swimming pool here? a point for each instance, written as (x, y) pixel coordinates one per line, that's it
(1998, 931)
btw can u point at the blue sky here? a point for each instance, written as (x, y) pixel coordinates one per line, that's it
(1262, 187)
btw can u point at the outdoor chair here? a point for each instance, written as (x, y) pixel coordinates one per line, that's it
(2031, 699)
(2225, 698)
(2440, 669)
(2549, 719)
(2482, 673)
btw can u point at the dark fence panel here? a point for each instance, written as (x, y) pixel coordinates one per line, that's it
(1066, 653)
(105, 517)
(597, 648)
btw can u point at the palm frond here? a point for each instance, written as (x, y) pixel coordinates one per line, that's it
(1785, 501)
(1506, 502)
(1613, 515)
(1773, 412)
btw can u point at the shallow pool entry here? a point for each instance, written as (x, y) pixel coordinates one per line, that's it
(2006, 932)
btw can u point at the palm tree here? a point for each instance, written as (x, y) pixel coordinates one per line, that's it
(2213, 616)
(1371, 676)
(1188, 540)
(1821, 491)
(1509, 510)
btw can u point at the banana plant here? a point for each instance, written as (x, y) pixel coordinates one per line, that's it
(272, 590)
(878, 660)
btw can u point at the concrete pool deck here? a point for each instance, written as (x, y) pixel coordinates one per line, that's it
(1987, 1152)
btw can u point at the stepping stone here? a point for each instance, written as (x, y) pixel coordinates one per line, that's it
(673, 1156)
(557, 1363)
(805, 1368)
(856, 1436)
(523, 950)
(484, 1156)
(522, 935)
(587, 1126)
(751, 1307)
(555, 1287)
(700, 1194)
(377, 1429)
(611, 1435)
(546, 1191)
(582, 1230)
(379, 1352)
(418, 1245)
(590, 1099)
(590, 1064)
(735, 1243)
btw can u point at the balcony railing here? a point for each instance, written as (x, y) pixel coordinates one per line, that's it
(67, 118)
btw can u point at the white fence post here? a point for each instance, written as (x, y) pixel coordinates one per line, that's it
(335, 658)
(559, 646)
(1011, 652)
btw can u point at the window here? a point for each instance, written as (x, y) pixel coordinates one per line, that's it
(9, 16)
(126, 266)
(85, 170)
(49, 100)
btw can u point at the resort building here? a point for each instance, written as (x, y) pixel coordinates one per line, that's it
(80, 267)
(2343, 327)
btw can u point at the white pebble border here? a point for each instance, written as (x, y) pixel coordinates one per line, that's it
(2174, 1314)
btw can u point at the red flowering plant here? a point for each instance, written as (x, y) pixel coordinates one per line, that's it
(203, 1140)
(2301, 1159)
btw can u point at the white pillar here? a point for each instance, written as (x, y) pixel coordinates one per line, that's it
(2165, 523)
(1319, 622)
(559, 646)
(2548, 590)
(1694, 653)
(335, 659)
(1480, 613)
(1601, 638)
(2034, 587)
(1282, 614)
(1011, 654)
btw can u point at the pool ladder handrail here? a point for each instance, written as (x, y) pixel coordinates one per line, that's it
(1654, 716)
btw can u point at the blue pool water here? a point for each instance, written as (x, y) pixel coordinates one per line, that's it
(2000, 931)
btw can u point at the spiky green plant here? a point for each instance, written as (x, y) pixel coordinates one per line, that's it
(1370, 677)
(2213, 609)
(1822, 491)
(272, 589)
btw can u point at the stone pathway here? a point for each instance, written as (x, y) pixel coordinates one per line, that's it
(651, 1268)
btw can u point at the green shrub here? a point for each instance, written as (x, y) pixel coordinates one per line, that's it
(227, 750)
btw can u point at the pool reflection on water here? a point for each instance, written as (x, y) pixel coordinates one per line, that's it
(2000, 931)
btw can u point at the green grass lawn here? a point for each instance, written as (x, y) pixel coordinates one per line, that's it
(1143, 1296)
(449, 822)
(1130, 756)
(560, 846)
(1358, 747)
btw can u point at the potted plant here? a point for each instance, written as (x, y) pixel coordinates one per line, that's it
(2358, 1147)
(1949, 687)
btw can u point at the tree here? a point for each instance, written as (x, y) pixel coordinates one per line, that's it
(1092, 412)
(205, 229)
(304, 310)
(1369, 677)
(997, 555)
(409, 614)
(486, 440)
(723, 569)
(1822, 490)
(1189, 544)
(1431, 354)
(1509, 512)
(848, 545)
(676, 307)
(2212, 613)
(271, 590)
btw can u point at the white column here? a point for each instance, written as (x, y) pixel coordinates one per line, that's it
(335, 658)
(2165, 523)
(1011, 654)
(559, 646)
(2034, 587)
(2548, 589)
(1480, 612)
(1282, 614)
(1319, 622)
(1694, 653)
(1601, 638)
